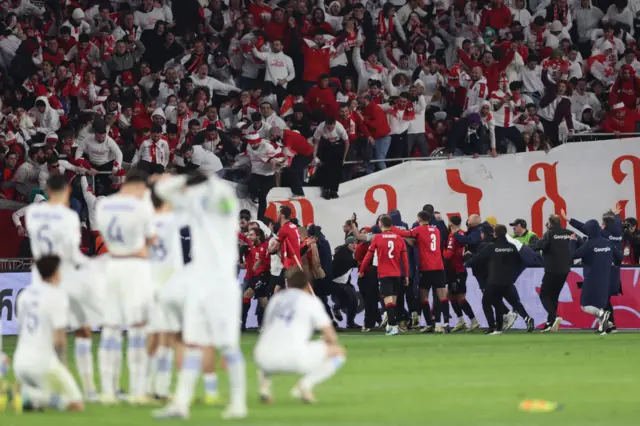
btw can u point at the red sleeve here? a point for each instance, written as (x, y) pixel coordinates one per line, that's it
(485, 18)
(613, 94)
(450, 250)
(403, 233)
(504, 62)
(466, 59)
(282, 234)
(243, 238)
(405, 258)
(362, 128)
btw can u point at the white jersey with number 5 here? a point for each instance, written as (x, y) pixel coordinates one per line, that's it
(54, 229)
(166, 255)
(291, 318)
(125, 222)
(42, 309)
(211, 209)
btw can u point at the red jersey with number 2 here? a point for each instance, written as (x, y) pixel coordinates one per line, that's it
(289, 239)
(391, 251)
(428, 241)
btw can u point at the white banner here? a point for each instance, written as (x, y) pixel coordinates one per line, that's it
(583, 178)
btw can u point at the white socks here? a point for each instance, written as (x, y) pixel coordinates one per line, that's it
(322, 373)
(109, 358)
(210, 384)
(237, 376)
(151, 374)
(188, 377)
(84, 363)
(137, 361)
(164, 368)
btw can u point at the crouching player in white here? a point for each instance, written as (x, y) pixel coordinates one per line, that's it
(125, 221)
(285, 345)
(213, 304)
(40, 357)
(54, 229)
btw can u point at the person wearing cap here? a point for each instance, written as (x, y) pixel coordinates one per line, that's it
(77, 24)
(621, 120)
(343, 290)
(153, 155)
(521, 233)
(263, 159)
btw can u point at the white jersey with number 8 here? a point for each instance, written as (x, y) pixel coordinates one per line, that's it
(125, 223)
(166, 254)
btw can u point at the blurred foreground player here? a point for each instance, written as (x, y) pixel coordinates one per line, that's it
(213, 303)
(392, 253)
(285, 345)
(40, 357)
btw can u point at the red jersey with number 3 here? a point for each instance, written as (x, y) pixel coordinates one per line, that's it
(428, 241)
(289, 239)
(391, 249)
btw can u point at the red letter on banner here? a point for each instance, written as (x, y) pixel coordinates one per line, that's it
(619, 176)
(473, 194)
(551, 189)
(304, 212)
(372, 204)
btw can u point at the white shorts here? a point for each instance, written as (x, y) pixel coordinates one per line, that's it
(213, 319)
(274, 359)
(172, 299)
(40, 382)
(161, 320)
(86, 288)
(130, 291)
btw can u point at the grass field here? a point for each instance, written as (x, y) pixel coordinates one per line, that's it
(466, 380)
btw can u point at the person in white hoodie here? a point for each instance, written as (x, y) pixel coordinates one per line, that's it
(415, 132)
(201, 78)
(580, 97)
(47, 118)
(270, 116)
(148, 14)
(279, 68)
(77, 24)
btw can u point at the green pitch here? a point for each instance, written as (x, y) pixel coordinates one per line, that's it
(466, 380)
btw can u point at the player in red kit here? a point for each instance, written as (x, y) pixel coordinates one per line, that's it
(288, 240)
(432, 275)
(457, 277)
(258, 262)
(392, 254)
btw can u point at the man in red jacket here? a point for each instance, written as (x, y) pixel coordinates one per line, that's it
(375, 119)
(317, 56)
(360, 140)
(497, 16)
(621, 120)
(303, 155)
(322, 97)
(626, 88)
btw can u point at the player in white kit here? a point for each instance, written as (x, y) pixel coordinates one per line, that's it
(285, 345)
(40, 357)
(125, 221)
(54, 229)
(213, 306)
(167, 264)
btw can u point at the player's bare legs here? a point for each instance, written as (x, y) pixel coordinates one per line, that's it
(246, 305)
(460, 305)
(263, 305)
(390, 309)
(153, 343)
(443, 308)
(109, 359)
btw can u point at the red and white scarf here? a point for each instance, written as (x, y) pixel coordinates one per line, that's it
(182, 122)
(383, 28)
(409, 112)
(560, 14)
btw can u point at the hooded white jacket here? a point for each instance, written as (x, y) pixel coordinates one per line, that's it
(47, 121)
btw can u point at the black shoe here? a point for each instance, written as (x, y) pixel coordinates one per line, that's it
(547, 328)
(613, 329)
(337, 313)
(489, 330)
(530, 325)
(447, 329)
(326, 195)
(353, 325)
(334, 194)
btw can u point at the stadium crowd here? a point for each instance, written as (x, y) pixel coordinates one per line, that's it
(264, 93)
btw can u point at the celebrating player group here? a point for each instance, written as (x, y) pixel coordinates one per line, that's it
(175, 313)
